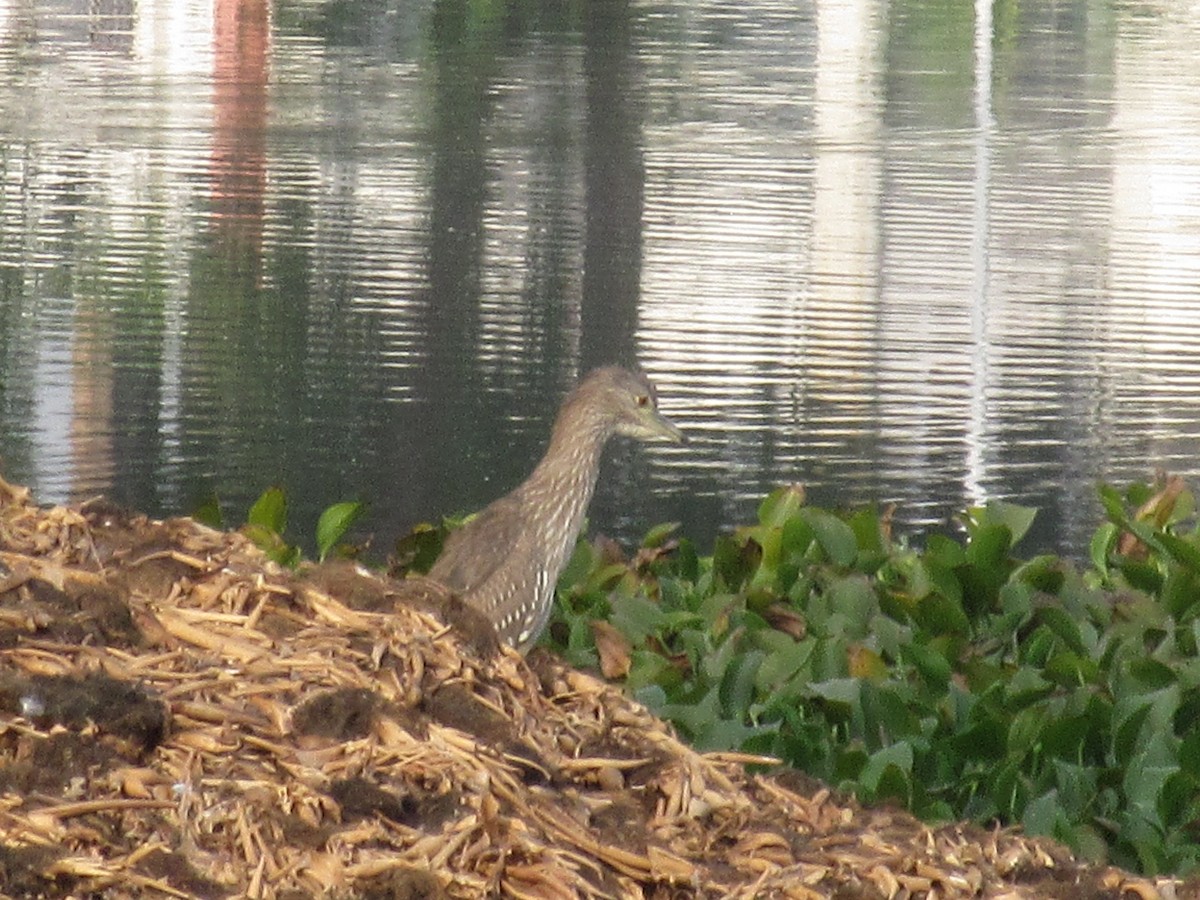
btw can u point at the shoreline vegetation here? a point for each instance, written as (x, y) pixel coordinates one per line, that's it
(182, 716)
(956, 679)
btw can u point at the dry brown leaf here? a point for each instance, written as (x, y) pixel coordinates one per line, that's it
(613, 648)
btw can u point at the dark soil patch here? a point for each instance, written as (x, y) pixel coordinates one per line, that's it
(48, 765)
(24, 872)
(359, 797)
(118, 709)
(176, 871)
(342, 715)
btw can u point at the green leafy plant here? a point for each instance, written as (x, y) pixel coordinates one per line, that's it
(266, 525)
(956, 678)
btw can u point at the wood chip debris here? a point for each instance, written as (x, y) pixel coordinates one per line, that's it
(179, 717)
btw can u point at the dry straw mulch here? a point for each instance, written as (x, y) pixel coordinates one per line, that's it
(181, 718)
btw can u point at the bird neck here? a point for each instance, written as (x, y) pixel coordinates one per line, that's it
(564, 480)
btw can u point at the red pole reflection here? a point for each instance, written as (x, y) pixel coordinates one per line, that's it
(241, 39)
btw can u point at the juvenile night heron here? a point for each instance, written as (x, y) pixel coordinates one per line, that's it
(506, 561)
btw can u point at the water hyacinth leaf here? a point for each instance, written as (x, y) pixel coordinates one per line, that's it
(1026, 685)
(871, 530)
(1145, 777)
(1078, 787)
(907, 581)
(890, 636)
(1016, 603)
(605, 577)
(1125, 738)
(931, 664)
(1009, 788)
(1103, 542)
(680, 620)
(1180, 593)
(731, 734)
(944, 552)
(1043, 814)
(1025, 730)
(797, 543)
(737, 682)
(734, 559)
(841, 691)
(652, 696)
(1189, 752)
(1177, 797)
(579, 563)
(1071, 669)
(945, 582)
(835, 536)
(1088, 843)
(333, 524)
(272, 543)
(1066, 737)
(1114, 505)
(1151, 674)
(1014, 519)
(863, 662)
(770, 641)
(989, 546)
(1017, 519)
(649, 668)
(687, 560)
(780, 506)
(854, 599)
(418, 549)
(1150, 722)
(636, 617)
(890, 715)
(940, 614)
(848, 765)
(269, 510)
(696, 717)
(659, 534)
(1143, 576)
(782, 665)
(1187, 715)
(208, 511)
(1065, 628)
(1182, 551)
(717, 609)
(580, 648)
(981, 741)
(765, 577)
(1045, 572)
(898, 756)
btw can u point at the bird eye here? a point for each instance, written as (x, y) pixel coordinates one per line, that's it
(643, 400)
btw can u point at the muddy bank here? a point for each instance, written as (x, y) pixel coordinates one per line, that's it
(181, 718)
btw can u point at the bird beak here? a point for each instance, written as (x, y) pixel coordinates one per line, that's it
(658, 425)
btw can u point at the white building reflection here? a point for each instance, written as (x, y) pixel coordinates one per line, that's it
(914, 289)
(119, 68)
(1154, 257)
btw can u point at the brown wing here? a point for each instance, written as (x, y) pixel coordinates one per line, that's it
(475, 552)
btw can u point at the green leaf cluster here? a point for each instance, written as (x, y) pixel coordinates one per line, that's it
(267, 520)
(956, 678)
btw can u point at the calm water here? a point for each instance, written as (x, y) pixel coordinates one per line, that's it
(907, 251)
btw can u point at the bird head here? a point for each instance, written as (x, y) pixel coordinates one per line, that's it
(630, 402)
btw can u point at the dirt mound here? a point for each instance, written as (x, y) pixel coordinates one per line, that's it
(181, 718)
